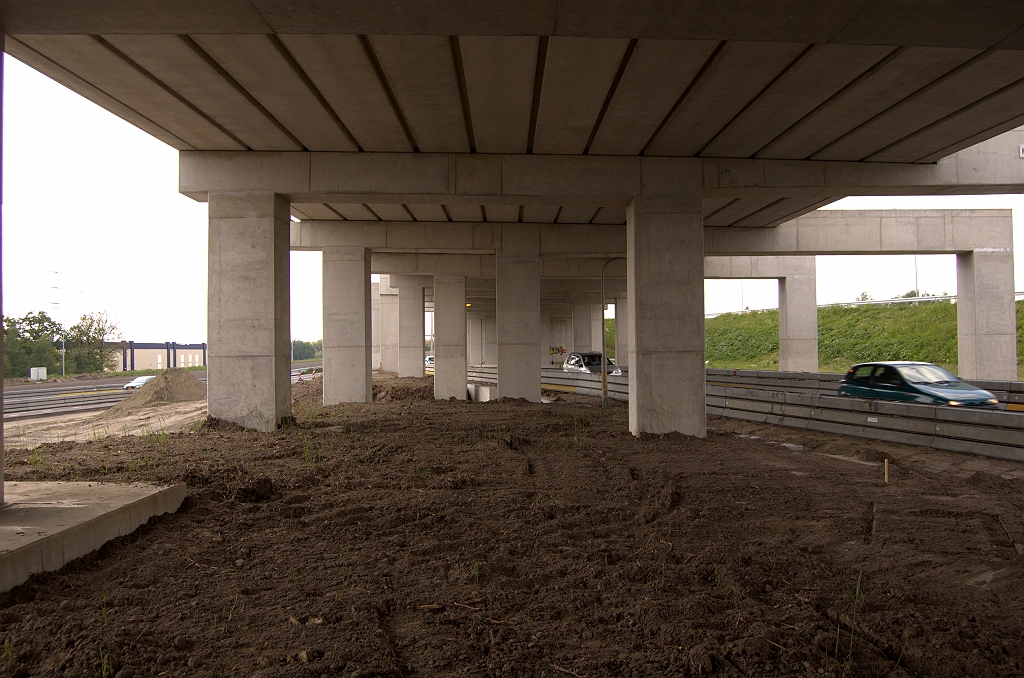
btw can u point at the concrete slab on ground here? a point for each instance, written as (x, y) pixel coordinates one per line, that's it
(45, 525)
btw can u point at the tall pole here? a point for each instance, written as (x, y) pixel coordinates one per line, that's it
(604, 340)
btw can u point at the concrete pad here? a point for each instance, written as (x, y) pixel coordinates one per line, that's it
(45, 525)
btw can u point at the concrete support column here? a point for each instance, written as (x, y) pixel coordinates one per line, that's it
(665, 290)
(490, 340)
(622, 332)
(375, 325)
(518, 326)
(986, 320)
(388, 326)
(449, 337)
(347, 320)
(475, 340)
(249, 371)
(582, 326)
(798, 322)
(1, 258)
(596, 327)
(410, 332)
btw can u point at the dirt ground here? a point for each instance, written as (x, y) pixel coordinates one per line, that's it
(162, 418)
(421, 538)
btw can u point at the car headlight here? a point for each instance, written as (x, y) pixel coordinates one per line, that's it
(953, 403)
(993, 401)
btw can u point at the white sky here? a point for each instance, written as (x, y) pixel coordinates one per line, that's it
(93, 221)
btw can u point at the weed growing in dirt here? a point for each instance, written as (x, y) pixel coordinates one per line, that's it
(578, 422)
(36, 460)
(106, 662)
(477, 569)
(9, 655)
(847, 662)
(312, 457)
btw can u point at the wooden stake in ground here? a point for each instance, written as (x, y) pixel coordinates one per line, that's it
(886, 471)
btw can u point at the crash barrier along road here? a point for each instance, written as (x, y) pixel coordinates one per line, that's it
(70, 398)
(810, 401)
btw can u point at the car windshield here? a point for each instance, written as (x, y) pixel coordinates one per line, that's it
(926, 374)
(591, 359)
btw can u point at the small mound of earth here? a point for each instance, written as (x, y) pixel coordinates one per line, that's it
(174, 385)
(392, 389)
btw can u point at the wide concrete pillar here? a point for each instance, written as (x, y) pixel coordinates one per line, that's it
(490, 340)
(249, 360)
(449, 337)
(347, 326)
(475, 340)
(798, 322)
(596, 327)
(375, 325)
(1, 258)
(985, 315)
(665, 291)
(622, 332)
(518, 326)
(388, 326)
(411, 335)
(582, 326)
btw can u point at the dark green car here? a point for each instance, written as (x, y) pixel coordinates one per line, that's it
(913, 383)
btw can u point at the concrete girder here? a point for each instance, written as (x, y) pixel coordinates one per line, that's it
(820, 232)
(960, 24)
(992, 166)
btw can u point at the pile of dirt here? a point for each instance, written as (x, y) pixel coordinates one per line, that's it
(390, 389)
(439, 538)
(174, 385)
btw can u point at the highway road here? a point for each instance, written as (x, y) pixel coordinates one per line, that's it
(23, 401)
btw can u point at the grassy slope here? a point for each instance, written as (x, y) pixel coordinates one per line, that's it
(847, 335)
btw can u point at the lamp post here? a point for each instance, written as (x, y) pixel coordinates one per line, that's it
(604, 342)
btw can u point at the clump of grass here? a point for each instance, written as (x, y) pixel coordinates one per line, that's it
(312, 456)
(476, 569)
(847, 663)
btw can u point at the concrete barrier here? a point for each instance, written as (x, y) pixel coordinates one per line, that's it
(809, 401)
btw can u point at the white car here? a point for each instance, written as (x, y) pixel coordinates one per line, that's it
(428, 361)
(137, 382)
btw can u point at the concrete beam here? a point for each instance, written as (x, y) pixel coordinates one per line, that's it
(869, 232)
(819, 232)
(960, 24)
(992, 166)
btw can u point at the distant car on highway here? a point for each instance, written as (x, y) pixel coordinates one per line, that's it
(428, 361)
(589, 363)
(913, 382)
(137, 382)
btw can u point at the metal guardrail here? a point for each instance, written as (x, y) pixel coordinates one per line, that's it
(810, 401)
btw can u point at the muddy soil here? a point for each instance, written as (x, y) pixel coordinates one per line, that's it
(421, 538)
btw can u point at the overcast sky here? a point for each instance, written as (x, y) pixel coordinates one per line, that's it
(93, 221)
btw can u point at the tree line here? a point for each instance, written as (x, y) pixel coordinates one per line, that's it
(90, 345)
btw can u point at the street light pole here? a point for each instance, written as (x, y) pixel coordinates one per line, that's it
(604, 340)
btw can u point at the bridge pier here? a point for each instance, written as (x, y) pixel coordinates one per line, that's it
(986, 317)
(249, 370)
(347, 318)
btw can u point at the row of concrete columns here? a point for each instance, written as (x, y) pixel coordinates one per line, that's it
(660, 329)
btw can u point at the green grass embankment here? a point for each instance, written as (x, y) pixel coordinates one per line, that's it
(847, 335)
